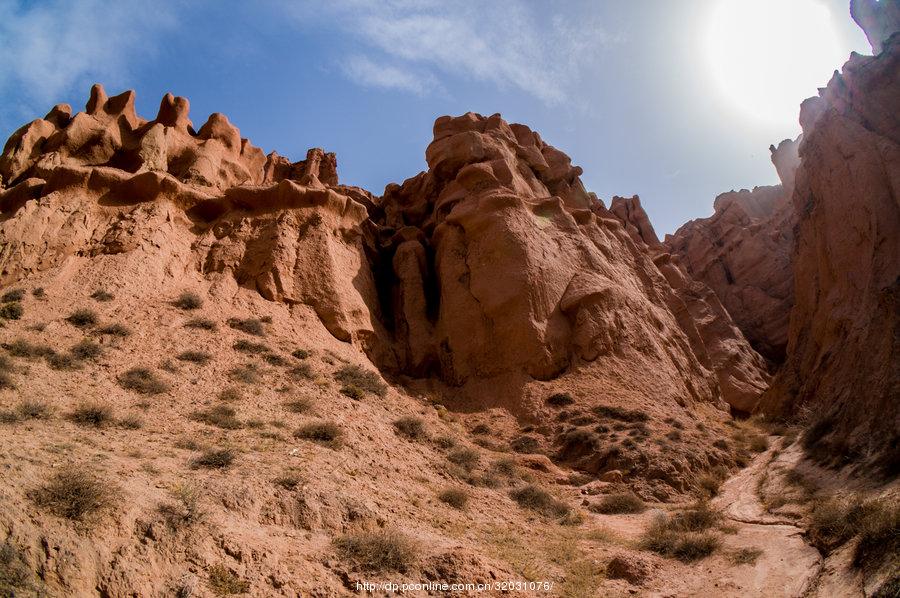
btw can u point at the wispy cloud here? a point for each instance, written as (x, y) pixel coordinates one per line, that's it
(48, 48)
(370, 73)
(509, 43)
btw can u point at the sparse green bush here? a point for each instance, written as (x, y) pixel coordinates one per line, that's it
(353, 392)
(381, 550)
(223, 582)
(74, 493)
(143, 381)
(214, 459)
(457, 498)
(537, 499)
(411, 427)
(201, 324)
(83, 318)
(221, 416)
(102, 295)
(615, 504)
(13, 295)
(325, 433)
(198, 357)
(11, 311)
(560, 399)
(248, 326)
(466, 458)
(114, 330)
(96, 415)
(354, 375)
(188, 301)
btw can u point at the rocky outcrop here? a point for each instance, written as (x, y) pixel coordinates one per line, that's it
(843, 354)
(879, 19)
(497, 263)
(744, 252)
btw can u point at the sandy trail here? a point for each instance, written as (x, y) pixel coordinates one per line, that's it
(786, 568)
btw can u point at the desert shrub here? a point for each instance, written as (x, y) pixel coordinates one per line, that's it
(834, 521)
(464, 457)
(709, 484)
(481, 429)
(33, 409)
(248, 326)
(221, 416)
(759, 443)
(230, 394)
(301, 371)
(301, 405)
(83, 318)
(246, 346)
(223, 582)
(878, 524)
(22, 348)
(674, 435)
(9, 417)
(525, 444)
(74, 493)
(625, 415)
(114, 330)
(505, 467)
(6, 381)
(411, 427)
(615, 504)
(354, 375)
(274, 359)
(300, 353)
(131, 422)
(63, 361)
(214, 459)
(188, 301)
(325, 433)
(15, 576)
(671, 541)
(445, 442)
(721, 444)
(201, 324)
(697, 518)
(247, 374)
(381, 550)
(560, 399)
(86, 349)
(102, 295)
(457, 498)
(745, 556)
(12, 295)
(92, 414)
(185, 509)
(143, 381)
(187, 444)
(38, 292)
(11, 311)
(354, 392)
(198, 357)
(539, 500)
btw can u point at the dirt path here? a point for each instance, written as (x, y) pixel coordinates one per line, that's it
(787, 566)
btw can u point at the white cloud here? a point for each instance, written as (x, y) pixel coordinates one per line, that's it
(369, 73)
(505, 42)
(49, 48)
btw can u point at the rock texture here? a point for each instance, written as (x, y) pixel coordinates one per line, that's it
(843, 355)
(879, 19)
(744, 252)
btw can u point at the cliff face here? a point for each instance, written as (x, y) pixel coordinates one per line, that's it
(843, 363)
(744, 252)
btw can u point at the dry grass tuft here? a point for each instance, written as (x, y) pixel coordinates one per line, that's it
(382, 550)
(12, 295)
(246, 374)
(198, 357)
(325, 433)
(11, 311)
(114, 330)
(410, 427)
(86, 349)
(102, 295)
(188, 301)
(249, 326)
(301, 405)
(354, 375)
(669, 539)
(221, 416)
(560, 399)
(33, 409)
(223, 582)
(201, 324)
(246, 346)
(457, 498)
(539, 500)
(214, 459)
(745, 556)
(143, 381)
(75, 494)
(83, 318)
(466, 458)
(615, 504)
(96, 415)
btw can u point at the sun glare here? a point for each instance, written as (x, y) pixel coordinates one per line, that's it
(766, 56)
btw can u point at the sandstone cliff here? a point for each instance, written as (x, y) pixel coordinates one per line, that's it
(843, 354)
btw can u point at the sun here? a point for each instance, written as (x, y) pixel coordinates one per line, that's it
(767, 56)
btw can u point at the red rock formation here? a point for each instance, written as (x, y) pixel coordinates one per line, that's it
(880, 19)
(843, 359)
(743, 252)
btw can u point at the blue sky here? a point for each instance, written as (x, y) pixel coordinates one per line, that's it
(623, 87)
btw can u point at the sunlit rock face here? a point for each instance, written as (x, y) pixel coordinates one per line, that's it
(843, 355)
